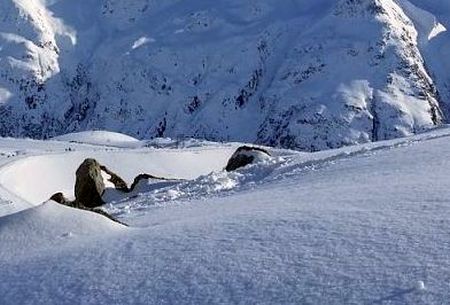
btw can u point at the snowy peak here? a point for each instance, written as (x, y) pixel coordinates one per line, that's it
(361, 76)
(295, 74)
(28, 31)
(361, 8)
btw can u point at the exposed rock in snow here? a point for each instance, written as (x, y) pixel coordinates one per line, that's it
(93, 179)
(364, 224)
(61, 199)
(96, 185)
(113, 179)
(89, 185)
(143, 183)
(119, 190)
(246, 155)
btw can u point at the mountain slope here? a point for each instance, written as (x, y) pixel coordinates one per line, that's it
(366, 224)
(297, 74)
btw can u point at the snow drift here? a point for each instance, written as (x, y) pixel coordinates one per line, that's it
(100, 138)
(366, 224)
(36, 178)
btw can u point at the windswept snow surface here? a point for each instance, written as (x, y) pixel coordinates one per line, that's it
(360, 225)
(37, 176)
(99, 138)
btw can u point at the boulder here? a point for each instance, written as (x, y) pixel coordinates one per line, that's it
(61, 199)
(116, 180)
(246, 155)
(142, 177)
(120, 184)
(89, 185)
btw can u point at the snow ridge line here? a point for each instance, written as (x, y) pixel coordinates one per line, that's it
(16, 202)
(221, 184)
(218, 183)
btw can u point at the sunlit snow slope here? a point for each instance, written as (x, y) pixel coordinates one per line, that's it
(36, 176)
(360, 225)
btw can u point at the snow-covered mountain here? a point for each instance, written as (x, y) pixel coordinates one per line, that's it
(298, 74)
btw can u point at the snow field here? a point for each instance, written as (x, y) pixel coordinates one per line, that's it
(36, 178)
(359, 225)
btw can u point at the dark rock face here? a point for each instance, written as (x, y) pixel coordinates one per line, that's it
(122, 186)
(141, 177)
(244, 156)
(89, 185)
(115, 179)
(60, 198)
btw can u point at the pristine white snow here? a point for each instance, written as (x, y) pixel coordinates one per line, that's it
(36, 178)
(142, 41)
(359, 225)
(97, 137)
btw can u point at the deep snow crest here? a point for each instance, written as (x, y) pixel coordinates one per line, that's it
(31, 171)
(40, 227)
(102, 138)
(200, 168)
(282, 167)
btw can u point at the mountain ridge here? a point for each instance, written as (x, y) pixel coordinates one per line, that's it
(296, 74)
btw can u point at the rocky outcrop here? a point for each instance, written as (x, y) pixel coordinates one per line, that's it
(141, 184)
(120, 184)
(89, 185)
(141, 177)
(117, 181)
(244, 156)
(61, 199)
